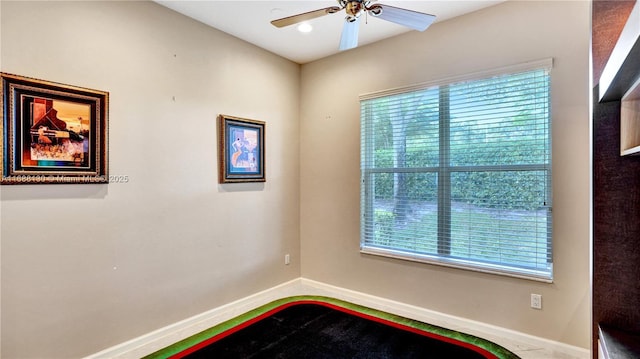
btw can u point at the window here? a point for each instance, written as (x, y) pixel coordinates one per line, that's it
(458, 172)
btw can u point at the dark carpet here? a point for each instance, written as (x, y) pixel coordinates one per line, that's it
(317, 331)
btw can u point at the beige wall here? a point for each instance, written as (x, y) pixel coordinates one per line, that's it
(506, 34)
(85, 267)
(105, 263)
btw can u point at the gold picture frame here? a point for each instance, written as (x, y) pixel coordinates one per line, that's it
(241, 150)
(52, 132)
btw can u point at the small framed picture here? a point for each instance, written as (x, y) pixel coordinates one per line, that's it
(52, 133)
(241, 150)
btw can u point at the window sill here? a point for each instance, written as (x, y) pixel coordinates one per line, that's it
(538, 276)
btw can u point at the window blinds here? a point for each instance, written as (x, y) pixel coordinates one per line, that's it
(458, 172)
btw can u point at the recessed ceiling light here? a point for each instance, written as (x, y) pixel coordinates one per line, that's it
(305, 27)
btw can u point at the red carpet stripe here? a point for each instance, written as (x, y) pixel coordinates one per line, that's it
(400, 326)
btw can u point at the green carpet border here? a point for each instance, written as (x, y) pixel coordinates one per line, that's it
(195, 339)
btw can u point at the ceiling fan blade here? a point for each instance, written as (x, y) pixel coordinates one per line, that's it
(349, 38)
(290, 20)
(409, 18)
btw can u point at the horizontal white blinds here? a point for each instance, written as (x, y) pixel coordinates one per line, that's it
(460, 173)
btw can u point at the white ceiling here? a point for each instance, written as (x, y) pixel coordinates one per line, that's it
(250, 20)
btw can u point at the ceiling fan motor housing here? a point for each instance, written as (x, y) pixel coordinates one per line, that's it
(355, 8)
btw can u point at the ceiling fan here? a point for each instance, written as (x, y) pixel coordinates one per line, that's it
(354, 9)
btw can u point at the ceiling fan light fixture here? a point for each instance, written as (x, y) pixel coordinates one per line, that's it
(375, 10)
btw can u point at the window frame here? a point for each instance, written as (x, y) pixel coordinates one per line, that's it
(442, 168)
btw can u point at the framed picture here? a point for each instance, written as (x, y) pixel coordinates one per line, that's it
(241, 150)
(52, 133)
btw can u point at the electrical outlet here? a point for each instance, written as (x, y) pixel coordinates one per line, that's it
(287, 259)
(536, 301)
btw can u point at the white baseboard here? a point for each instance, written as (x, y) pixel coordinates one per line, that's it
(163, 337)
(524, 345)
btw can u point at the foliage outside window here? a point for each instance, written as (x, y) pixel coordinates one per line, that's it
(458, 172)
